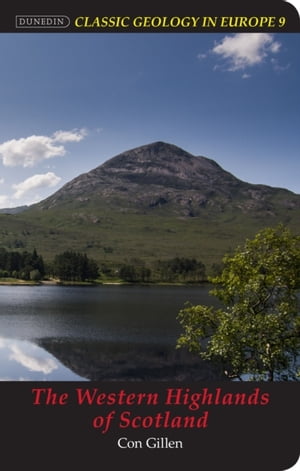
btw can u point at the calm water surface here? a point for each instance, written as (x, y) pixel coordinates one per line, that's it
(88, 333)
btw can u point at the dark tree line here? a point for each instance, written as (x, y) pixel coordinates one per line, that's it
(178, 269)
(67, 266)
(23, 265)
(75, 266)
(181, 269)
(135, 273)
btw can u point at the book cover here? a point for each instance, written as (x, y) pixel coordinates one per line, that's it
(149, 235)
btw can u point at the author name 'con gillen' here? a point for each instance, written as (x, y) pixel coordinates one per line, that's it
(151, 442)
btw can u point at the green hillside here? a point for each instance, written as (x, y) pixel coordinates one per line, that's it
(154, 202)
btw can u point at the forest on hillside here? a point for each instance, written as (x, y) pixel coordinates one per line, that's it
(75, 266)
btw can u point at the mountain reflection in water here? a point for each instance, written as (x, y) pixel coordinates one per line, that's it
(96, 333)
(124, 362)
(52, 359)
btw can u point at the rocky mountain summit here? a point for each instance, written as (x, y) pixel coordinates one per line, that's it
(164, 176)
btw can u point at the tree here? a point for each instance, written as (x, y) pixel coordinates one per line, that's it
(20, 264)
(181, 269)
(255, 334)
(35, 275)
(128, 273)
(75, 266)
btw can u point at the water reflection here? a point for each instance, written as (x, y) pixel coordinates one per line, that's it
(128, 361)
(21, 360)
(96, 333)
(70, 360)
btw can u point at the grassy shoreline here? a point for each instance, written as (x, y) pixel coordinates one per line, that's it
(17, 282)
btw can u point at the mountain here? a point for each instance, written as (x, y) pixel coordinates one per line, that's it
(163, 175)
(154, 201)
(18, 209)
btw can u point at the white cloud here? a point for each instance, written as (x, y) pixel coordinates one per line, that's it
(244, 50)
(28, 355)
(275, 47)
(1, 181)
(4, 201)
(69, 136)
(47, 180)
(33, 363)
(279, 68)
(28, 151)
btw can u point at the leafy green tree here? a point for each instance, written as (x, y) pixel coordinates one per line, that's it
(255, 333)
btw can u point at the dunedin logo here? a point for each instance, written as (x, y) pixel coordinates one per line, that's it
(42, 21)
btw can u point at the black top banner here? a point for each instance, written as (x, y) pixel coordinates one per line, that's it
(186, 17)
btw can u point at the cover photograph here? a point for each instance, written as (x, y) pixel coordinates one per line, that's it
(150, 236)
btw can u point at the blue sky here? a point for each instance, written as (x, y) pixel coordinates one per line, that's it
(69, 102)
